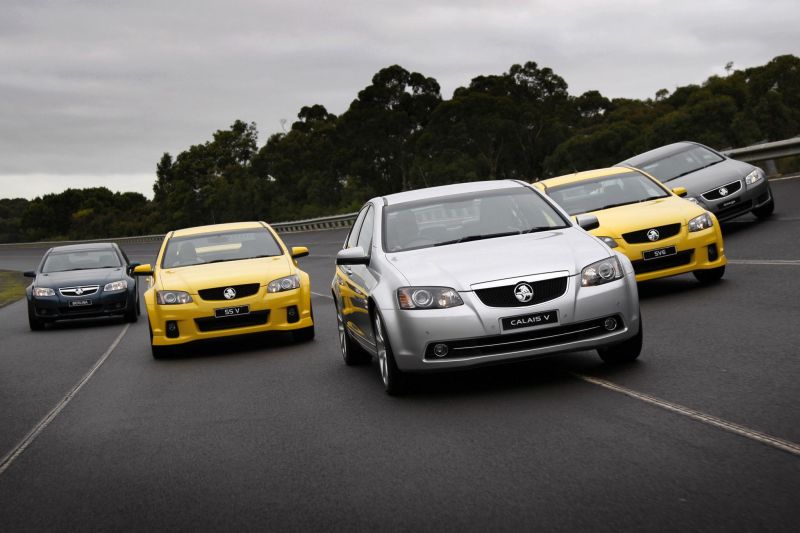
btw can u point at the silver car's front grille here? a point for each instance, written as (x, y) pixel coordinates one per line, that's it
(540, 291)
(723, 192)
(85, 290)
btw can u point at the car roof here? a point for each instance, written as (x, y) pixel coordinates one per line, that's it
(214, 228)
(659, 153)
(450, 190)
(586, 175)
(83, 247)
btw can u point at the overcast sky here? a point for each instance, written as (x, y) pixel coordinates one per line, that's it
(93, 92)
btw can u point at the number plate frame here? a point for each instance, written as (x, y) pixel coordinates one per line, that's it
(659, 253)
(239, 310)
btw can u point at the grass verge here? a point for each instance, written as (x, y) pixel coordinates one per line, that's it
(12, 286)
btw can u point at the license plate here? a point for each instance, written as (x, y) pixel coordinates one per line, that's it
(659, 253)
(532, 319)
(79, 303)
(729, 202)
(232, 311)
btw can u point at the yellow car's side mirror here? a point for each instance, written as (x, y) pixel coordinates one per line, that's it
(299, 251)
(143, 270)
(680, 191)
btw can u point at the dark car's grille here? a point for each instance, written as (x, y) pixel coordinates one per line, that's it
(640, 236)
(730, 188)
(78, 292)
(538, 338)
(256, 318)
(734, 210)
(543, 291)
(679, 259)
(218, 293)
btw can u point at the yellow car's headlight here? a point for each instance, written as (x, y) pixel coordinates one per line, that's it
(702, 222)
(173, 297)
(284, 284)
(609, 241)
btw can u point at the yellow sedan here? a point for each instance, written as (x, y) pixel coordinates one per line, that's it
(660, 232)
(223, 280)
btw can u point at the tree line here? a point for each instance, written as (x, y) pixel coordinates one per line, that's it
(399, 133)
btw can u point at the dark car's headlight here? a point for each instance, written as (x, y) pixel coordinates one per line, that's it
(754, 177)
(702, 222)
(120, 285)
(284, 284)
(428, 297)
(601, 272)
(43, 291)
(173, 297)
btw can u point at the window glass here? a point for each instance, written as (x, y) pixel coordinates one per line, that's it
(221, 246)
(81, 260)
(606, 192)
(681, 163)
(352, 237)
(365, 235)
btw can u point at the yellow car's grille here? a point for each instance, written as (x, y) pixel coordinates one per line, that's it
(239, 291)
(640, 236)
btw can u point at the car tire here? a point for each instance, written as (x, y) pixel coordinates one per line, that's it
(303, 334)
(394, 381)
(352, 352)
(766, 210)
(36, 324)
(159, 352)
(624, 352)
(132, 314)
(710, 275)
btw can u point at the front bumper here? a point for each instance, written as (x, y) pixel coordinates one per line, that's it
(100, 304)
(179, 324)
(749, 197)
(475, 328)
(698, 250)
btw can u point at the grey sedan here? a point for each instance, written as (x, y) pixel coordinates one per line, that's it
(726, 187)
(478, 273)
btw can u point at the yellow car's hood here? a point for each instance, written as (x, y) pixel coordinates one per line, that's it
(196, 277)
(618, 220)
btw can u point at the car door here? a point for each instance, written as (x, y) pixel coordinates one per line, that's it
(351, 297)
(363, 280)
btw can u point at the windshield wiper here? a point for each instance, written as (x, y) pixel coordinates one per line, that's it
(478, 237)
(609, 206)
(542, 228)
(650, 198)
(693, 170)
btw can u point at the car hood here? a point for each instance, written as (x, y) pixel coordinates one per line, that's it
(712, 177)
(618, 220)
(461, 265)
(197, 277)
(72, 278)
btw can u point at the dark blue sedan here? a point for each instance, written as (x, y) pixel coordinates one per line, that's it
(82, 281)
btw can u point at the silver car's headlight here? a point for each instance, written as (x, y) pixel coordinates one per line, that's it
(43, 291)
(609, 241)
(428, 297)
(755, 176)
(700, 223)
(284, 284)
(120, 285)
(601, 272)
(173, 297)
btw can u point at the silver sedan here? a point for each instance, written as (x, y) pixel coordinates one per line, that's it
(478, 273)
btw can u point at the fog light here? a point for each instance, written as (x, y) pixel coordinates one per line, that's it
(440, 350)
(712, 252)
(610, 324)
(292, 315)
(172, 329)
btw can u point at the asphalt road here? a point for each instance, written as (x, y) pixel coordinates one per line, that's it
(266, 434)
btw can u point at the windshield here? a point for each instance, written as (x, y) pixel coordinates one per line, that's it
(467, 217)
(606, 192)
(681, 163)
(218, 247)
(84, 260)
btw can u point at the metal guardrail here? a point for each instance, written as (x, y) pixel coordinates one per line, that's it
(297, 226)
(767, 152)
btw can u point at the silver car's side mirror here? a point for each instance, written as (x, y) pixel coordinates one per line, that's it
(352, 256)
(587, 222)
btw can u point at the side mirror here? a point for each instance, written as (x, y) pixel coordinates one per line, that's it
(131, 267)
(299, 251)
(143, 270)
(352, 256)
(29, 274)
(587, 222)
(680, 191)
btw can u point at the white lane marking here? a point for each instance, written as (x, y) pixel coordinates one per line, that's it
(18, 450)
(779, 262)
(785, 178)
(328, 296)
(711, 420)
